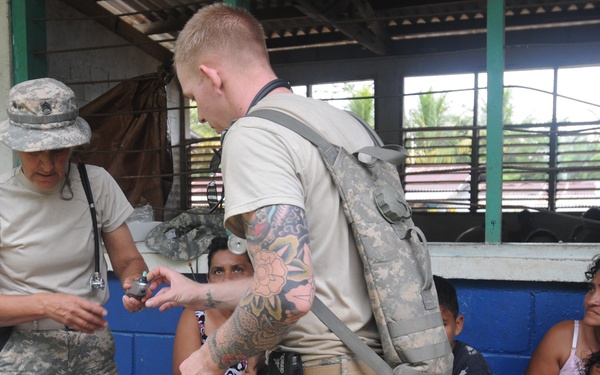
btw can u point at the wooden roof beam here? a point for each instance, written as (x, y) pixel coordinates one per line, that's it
(363, 30)
(112, 22)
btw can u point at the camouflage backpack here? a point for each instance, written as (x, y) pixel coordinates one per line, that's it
(396, 261)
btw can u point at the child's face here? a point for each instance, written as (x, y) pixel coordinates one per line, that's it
(452, 326)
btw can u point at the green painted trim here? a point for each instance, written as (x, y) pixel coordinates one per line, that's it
(29, 38)
(239, 3)
(495, 105)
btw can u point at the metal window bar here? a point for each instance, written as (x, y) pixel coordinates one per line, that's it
(199, 156)
(551, 166)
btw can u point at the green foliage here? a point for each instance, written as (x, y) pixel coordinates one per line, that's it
(438, 143)
(202, 130)
(507, 109)
(580, 149)
(365, 108)
(431, 112)
(526, 151)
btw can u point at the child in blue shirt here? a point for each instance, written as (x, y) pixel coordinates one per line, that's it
(467, 360)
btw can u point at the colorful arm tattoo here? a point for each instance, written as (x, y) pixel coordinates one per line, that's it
(283, 287)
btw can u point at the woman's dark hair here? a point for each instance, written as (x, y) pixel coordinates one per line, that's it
(593, 268)
(217, 243)
(593, 360)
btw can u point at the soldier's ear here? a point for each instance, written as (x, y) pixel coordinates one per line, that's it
(213, 76)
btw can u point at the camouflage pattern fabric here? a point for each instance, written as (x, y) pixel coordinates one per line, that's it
(43, 115)
(58, 352)
(397, 268)
(186, 236)
(396, 261)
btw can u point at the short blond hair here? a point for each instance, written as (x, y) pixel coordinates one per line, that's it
(219, 29)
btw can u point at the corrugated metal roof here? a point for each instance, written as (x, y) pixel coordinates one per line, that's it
(371, 26)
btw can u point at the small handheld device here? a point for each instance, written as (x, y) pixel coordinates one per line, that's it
(138, 287)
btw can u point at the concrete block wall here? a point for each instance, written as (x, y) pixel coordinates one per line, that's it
(144, 340)
(504, 320)
(67, 29)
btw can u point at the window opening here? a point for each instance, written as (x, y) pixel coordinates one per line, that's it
(354, 96)
(203, 167)
(206, 183)
(551, 132)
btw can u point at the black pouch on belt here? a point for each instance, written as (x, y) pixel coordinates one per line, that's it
(288, 363)
(4, 335)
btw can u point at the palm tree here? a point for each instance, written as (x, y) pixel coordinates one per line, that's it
(431, 139)
(365, 108)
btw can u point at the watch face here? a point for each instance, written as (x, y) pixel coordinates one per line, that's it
(237, 245)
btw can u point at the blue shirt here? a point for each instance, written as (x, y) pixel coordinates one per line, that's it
(468, 361)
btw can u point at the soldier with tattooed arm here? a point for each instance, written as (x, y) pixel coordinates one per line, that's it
(281, 199)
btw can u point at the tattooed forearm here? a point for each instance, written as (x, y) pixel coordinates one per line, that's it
(282, 290)
(210, 303)
(241, 342)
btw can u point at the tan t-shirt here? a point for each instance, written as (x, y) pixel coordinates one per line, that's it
(46, 243)
(267, 164)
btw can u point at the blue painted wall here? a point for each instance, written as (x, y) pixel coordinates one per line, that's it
(144, 340)
(503, 320)
(506, 320)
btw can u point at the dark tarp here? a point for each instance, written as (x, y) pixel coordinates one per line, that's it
(130, 140)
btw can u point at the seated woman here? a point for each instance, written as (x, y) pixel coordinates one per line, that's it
(568, 345)
(592, 366)
(195, 326)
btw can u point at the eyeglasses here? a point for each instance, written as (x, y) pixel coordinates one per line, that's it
(212, 192)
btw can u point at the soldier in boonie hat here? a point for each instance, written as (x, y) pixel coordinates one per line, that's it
(55, 216)
(43, 115)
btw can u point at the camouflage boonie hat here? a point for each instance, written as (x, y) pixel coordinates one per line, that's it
(43, 115)
(186, 236)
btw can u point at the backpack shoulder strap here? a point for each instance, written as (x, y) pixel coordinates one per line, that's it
(295, 125)
(393, 154)
(374, 136)
(352, 341)
(322, 312)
